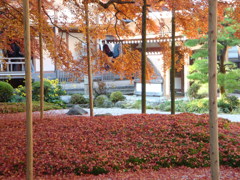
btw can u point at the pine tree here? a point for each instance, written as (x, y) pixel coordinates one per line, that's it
(228, 75)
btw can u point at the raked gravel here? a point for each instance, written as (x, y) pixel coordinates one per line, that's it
(119, 111)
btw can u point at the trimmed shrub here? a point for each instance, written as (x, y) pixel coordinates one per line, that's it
(197, 106)
(192, 91)
(227, 104)
(16, 98)
(6, 91)
(134, 105)
(102, 101)
(197, 91)
(78, 99)
(36, 90)
(14, 107)
(117, 96)
(52, 91)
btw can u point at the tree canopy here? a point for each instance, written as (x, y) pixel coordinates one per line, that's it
(228, 77)
(119, 18)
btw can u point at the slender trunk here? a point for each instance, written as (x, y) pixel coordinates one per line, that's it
(213, 120)
(41, 62)
(222, 68)
(172, 71)
(144, 56)
(27, 54)
(90, 82)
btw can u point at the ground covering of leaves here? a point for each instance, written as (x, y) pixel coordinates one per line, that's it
(74, 146)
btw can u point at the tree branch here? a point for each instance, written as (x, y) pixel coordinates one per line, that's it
(106, 5)
(55, 25)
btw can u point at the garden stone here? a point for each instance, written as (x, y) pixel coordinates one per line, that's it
(120, 104)
(105, 114)
(76, 110)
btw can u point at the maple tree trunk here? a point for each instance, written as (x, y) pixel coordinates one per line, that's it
(172, 71)
(89, 60)
(27, 54)
(213, 120)
(41, 62)
(144, 56)
(222, 67)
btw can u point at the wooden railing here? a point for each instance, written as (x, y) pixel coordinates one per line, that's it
(14, 67)
(68, 77)
(16, 64)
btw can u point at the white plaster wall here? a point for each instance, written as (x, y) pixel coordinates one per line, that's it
(48, 64)
(72, 41)
(157, 62)
(167, 83)
(151, 89)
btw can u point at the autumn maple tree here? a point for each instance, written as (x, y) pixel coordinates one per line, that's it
(105, 18)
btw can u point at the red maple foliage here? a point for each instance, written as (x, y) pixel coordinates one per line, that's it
(66, 145)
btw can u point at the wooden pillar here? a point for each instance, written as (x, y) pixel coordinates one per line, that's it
(90, 82)
(27, 54)
(212, 53)
(144, 44)
(172, 70)
(41, 62)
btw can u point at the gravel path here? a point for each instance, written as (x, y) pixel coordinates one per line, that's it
(119, 111)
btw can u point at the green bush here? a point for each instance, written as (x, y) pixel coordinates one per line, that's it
(192, 91)
(197, 106)
(20, 91)
(78, 99)
(228, 104)
(14, 107)
(36, 90)
(6, 91)
(133, 105)
(117, 96)
(52, 92)
(196, 91)
(18, 98)
(102, 101)
(165, 106)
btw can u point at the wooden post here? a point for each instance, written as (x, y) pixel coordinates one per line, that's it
(213, 121)
(27, 54)
(90, 82)
(41, 62)
(144, 44)
(172, 71)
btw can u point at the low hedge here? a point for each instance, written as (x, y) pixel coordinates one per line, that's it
(20, 107)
